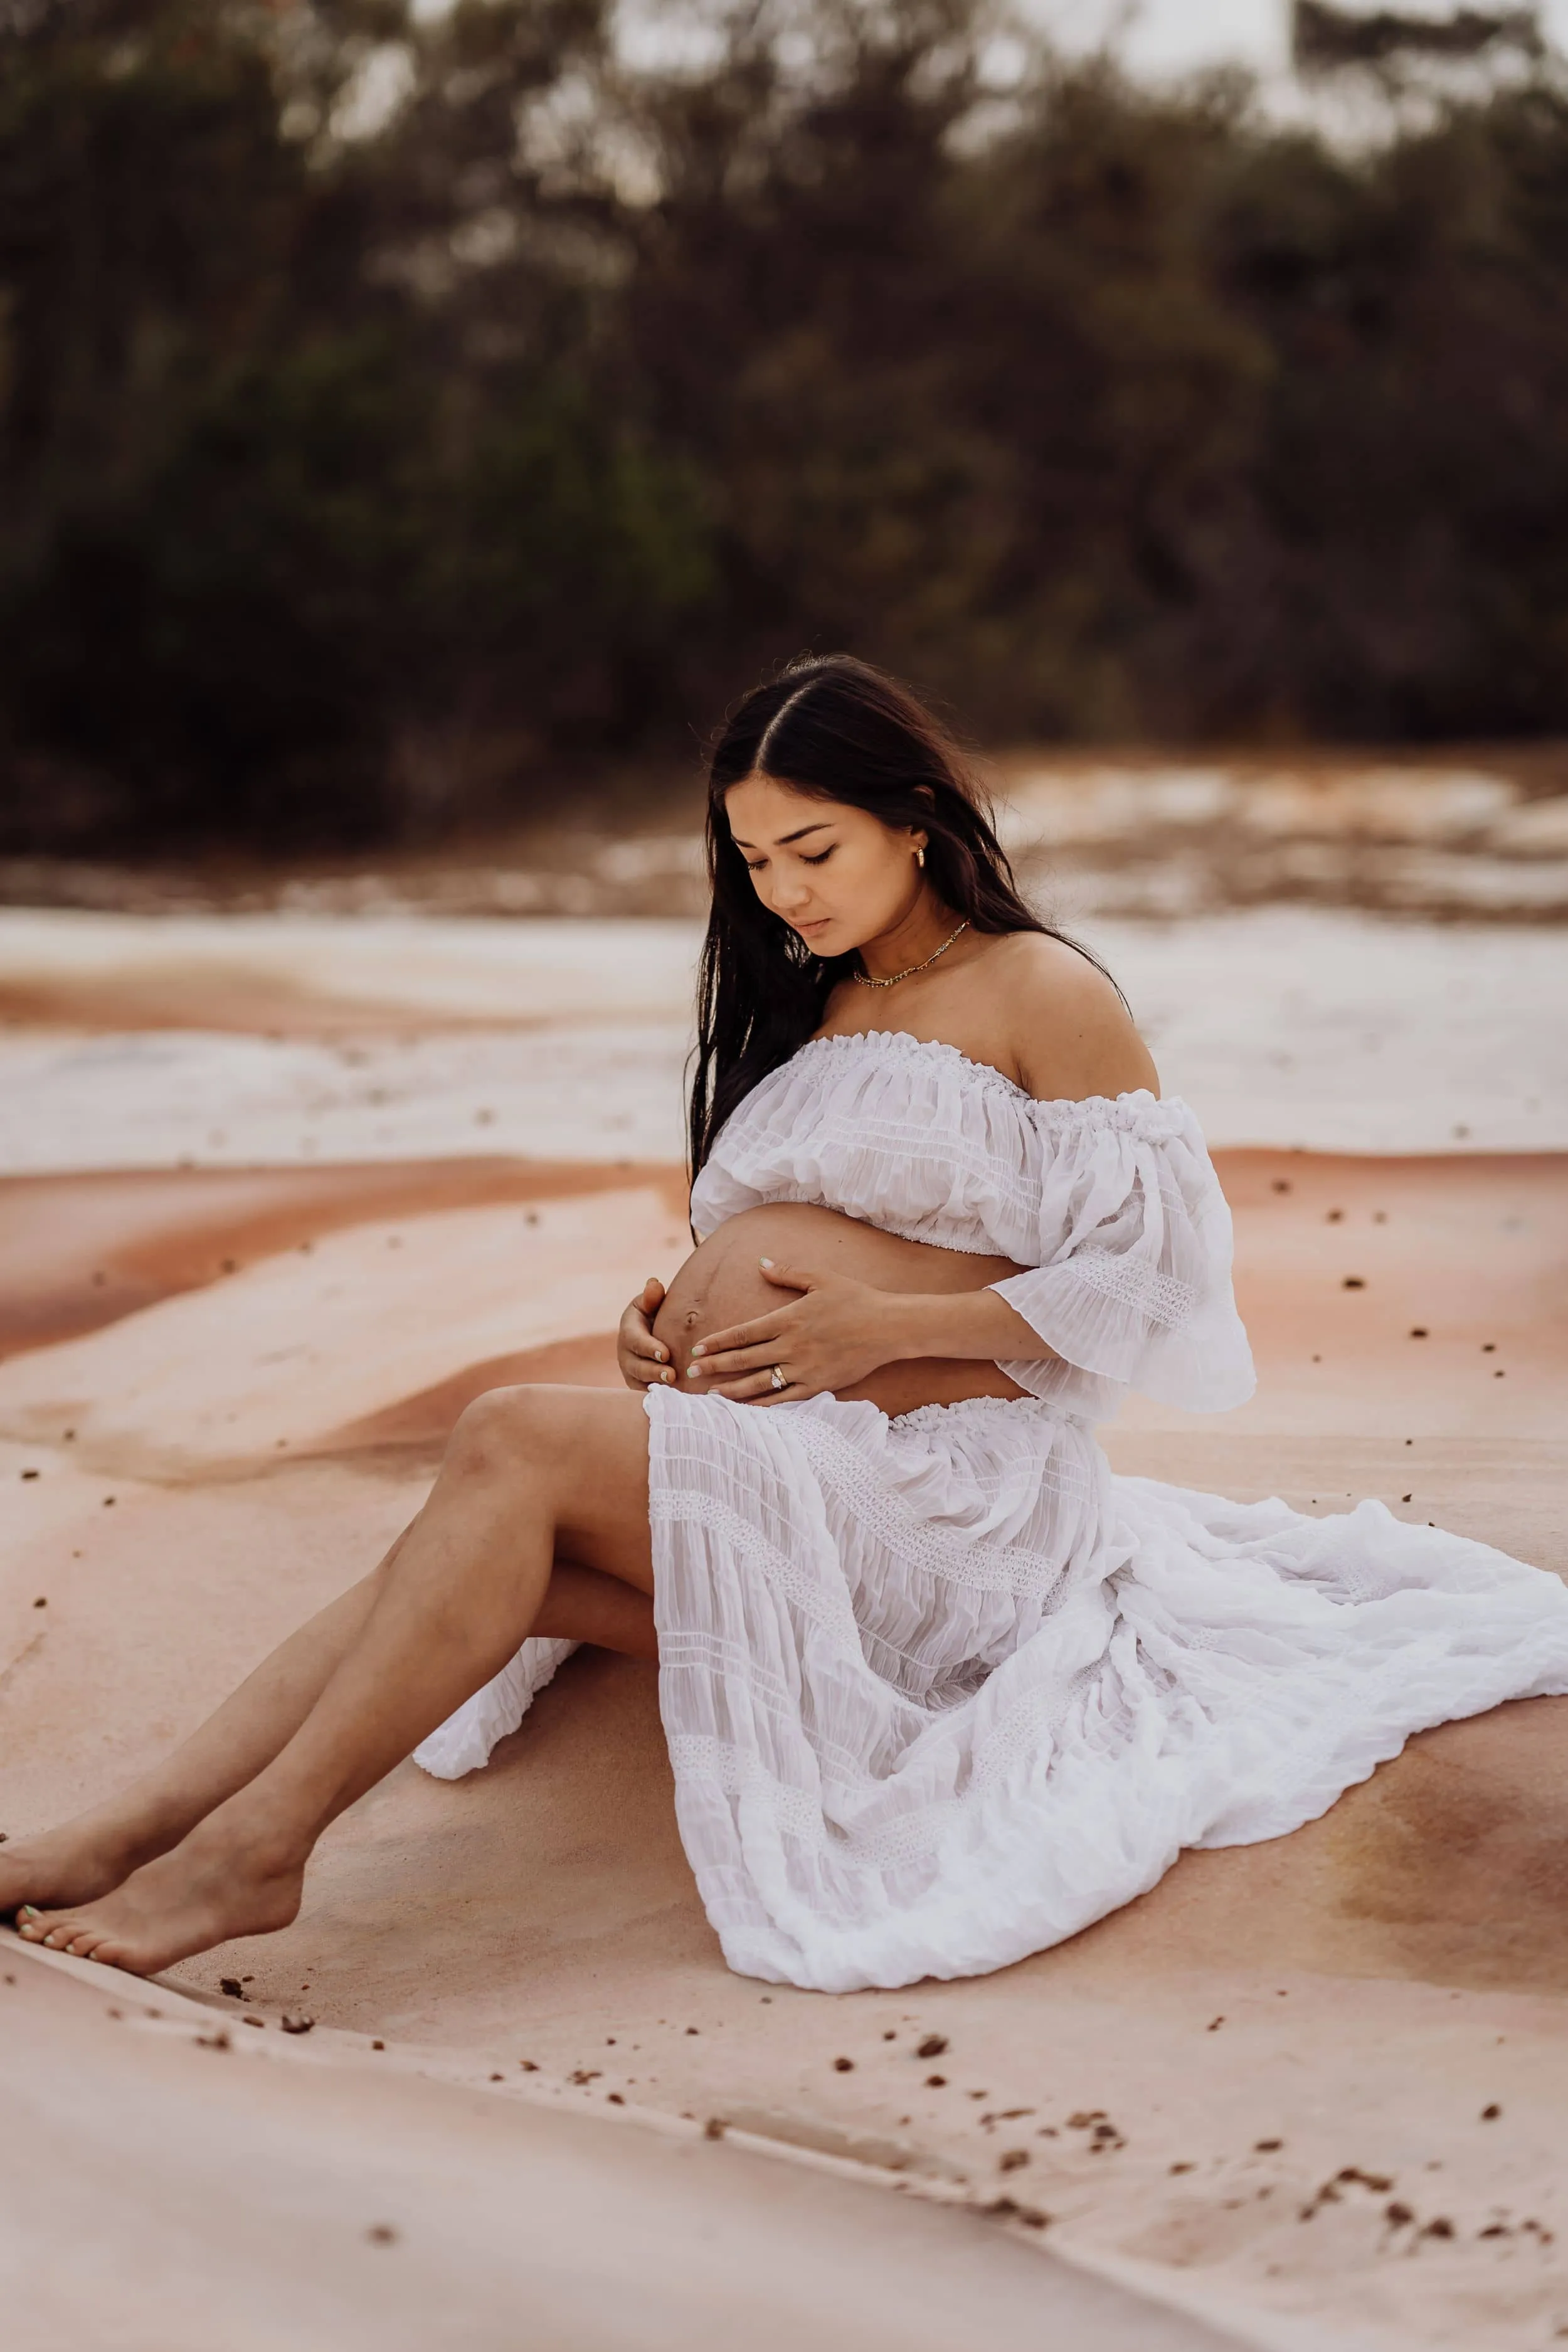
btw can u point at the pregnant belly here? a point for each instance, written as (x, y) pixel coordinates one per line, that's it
(720, 1283)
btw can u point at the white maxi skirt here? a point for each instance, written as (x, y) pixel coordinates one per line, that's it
(941, 1690)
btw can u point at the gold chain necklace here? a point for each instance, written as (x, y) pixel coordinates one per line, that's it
(867, 981)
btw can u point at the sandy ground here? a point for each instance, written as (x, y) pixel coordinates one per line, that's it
(155, 1041)
(1312, 2092)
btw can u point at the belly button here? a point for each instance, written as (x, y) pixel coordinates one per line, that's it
(694, 1317)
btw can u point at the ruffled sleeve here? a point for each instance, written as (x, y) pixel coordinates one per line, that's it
(1134, 1284)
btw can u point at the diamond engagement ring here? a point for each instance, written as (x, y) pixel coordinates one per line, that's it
(778, 1379)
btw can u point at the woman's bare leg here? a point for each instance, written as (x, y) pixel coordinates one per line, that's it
(89, 1856)
(584, 1605)
(527, 1468)
(86, 1858)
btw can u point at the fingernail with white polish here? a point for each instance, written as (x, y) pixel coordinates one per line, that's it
(764, 1261)
(694, 1371)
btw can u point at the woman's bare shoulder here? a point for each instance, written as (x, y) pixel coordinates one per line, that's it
(1070, 1033)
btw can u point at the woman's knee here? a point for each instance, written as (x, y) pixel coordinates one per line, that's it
(500, 1433)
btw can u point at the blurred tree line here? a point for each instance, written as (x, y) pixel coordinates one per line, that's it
(400, 413)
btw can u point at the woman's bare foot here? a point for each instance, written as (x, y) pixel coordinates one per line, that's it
(210, 1888)
(78, 1863)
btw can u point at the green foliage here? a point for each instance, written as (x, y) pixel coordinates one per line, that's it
(393, 410)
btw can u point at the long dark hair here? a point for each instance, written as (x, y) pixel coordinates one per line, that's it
(834, 727)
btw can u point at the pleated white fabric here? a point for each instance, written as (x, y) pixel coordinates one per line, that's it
(464, 1741)
(940, 1690)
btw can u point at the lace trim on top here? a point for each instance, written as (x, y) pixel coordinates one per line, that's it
(933, 1416)
(1124, 1110)
(903, 1042)
(1134, 1283)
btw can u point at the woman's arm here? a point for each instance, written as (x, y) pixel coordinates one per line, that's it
(965, 1323)
(836, 1332)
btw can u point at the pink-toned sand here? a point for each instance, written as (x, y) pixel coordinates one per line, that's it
(1261, 2092)
(1311, 2093)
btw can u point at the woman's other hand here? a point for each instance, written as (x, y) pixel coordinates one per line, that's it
(831, 1335)
(644, 1360)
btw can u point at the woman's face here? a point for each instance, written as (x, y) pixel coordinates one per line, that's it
(837, 875)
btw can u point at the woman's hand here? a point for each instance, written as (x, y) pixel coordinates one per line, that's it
(644, 1360)
(830, 1336)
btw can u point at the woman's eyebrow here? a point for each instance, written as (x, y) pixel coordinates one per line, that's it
(786, 838)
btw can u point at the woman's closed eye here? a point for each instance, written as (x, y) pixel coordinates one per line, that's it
(758, 864)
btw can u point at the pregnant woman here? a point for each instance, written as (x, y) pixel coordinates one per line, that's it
(939, 1689)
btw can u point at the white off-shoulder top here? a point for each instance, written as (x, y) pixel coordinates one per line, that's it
(1111, 1207)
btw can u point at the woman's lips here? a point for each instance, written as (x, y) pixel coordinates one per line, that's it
(821, 924)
